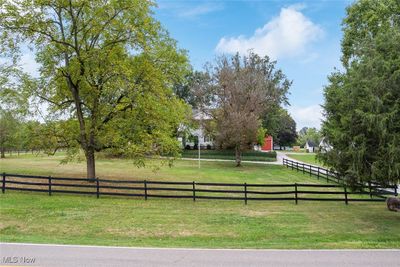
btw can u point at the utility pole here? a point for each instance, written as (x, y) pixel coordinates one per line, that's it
(200, 134)
(198, 146)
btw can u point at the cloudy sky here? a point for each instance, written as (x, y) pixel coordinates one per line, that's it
(304, 37)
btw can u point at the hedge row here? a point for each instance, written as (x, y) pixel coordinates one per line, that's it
(230, 154)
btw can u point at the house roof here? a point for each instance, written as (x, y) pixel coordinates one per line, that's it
(311, 143)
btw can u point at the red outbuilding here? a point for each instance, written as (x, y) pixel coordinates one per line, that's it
(268, 144)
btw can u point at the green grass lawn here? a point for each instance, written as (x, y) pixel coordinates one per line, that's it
(36, 218)
(182, 170)
(69, 219)
(309, 158)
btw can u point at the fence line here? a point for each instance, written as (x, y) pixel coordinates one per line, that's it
(330, 176)
(187, 190)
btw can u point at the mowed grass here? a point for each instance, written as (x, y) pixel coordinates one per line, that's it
(182, 170)
(306, 158)
(66, 219)
(69, 219)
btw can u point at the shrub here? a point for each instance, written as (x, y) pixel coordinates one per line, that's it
(230, 154)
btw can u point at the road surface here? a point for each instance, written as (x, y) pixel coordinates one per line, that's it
(60, 255)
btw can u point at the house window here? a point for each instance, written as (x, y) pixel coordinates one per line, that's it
(207, 138)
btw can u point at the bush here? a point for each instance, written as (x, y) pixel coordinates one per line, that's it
(230, 154)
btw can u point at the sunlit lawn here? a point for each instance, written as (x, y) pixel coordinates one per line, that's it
(182, 170)
(37, 218)
(309, 158)
(68, 219)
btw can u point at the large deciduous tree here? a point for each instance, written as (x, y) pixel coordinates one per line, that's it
(362, 103)
(281, 126)
(106, 69)
(287, 134)
(243, 89)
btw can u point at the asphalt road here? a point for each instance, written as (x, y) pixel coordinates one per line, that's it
(60, 255)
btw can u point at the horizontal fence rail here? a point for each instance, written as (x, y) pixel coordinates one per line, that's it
(186, 190)
(330, 176)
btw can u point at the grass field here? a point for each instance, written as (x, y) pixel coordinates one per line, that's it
(36, 218)
(309, 158)
(67, 219)
(182, 170)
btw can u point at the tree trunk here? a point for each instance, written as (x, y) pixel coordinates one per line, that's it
(238, 155)
(90, 164)
(3, 154)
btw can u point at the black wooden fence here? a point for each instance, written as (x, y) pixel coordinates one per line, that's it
(330, 176)
(188, 190)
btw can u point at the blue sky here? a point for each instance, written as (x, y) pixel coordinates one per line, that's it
(303, 36)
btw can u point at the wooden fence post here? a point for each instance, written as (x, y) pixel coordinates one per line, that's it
(295, 192)
(370, 190)
(245, 193)
(194, 191)
(318, 173)
(310, 171)
(49, 185)
(345, 195)
(97, 187)
(304, 171)
(3, 187)
(145, 189)
(291, 164)
(297, 166)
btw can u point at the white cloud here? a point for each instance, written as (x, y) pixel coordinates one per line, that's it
(284, 36)
(310, 116)
(200, 10)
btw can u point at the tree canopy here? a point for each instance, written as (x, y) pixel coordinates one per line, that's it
(308, 134)
(242, 89)
(106, 71)
(281, 126)
(362, 103)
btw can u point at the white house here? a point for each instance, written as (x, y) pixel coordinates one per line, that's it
(310, 146)
(198, 136)
(324, 145)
